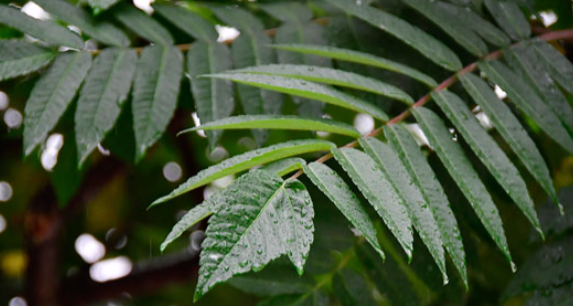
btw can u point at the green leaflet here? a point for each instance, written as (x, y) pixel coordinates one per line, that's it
(214, 99)
(144, 26)
(510, 18)
(452, 24)
(547, 270)
(278, 122)
(488, 152)
(187, 21)
(194, 215)
(511, 130)
(247, 160)
(297, 27)
(425, 178)
(334, 187)
(313, 297)
(526, 99)
(155, 91)
(333, 77)
(45, 31)
(394, 279)
(560, 68)
(51, 96)
(526, 62)
(101, 5)
(359, 57)
(351, 289)
(106, 88)
(275, 279)
(288, 11)
(265, 218)
(420, 214)
(104, 32)
(251, 49)
(427, 45)
(18, 57)
(375, 186)
(305, 89)
(482, 27)
(460, 168)
(285, 166)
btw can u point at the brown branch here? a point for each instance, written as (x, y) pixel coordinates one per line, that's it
(43, 228)
(147, 277)
(549, 36)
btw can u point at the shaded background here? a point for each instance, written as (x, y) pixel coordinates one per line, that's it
(86, 236)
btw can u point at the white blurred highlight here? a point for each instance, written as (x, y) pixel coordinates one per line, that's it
(89, 248)
(111, 269)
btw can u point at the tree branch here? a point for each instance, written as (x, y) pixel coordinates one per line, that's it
(147, 277)
(549, 36)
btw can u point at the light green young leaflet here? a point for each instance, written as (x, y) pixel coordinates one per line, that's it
(379, 192)
(304, 89)
(251, 49)
(46, 31)
(427, 45)
(412, 157)
(489, 152)
(360, 58)
(246, 161)
(526, 99)
(452, 24)
(285, 166)
(260, 219)
(460, 168)
(331, 76)
(334, 187)
(278, 122)
(511, 130)
(195, 215)
(420, 214)
(19, 57)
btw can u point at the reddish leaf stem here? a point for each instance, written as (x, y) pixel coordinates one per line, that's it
(549, 36)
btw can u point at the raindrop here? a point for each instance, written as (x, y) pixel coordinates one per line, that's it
(224, 182)
(244, 263)
(5, 191)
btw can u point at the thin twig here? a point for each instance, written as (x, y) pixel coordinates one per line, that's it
(549, 36)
